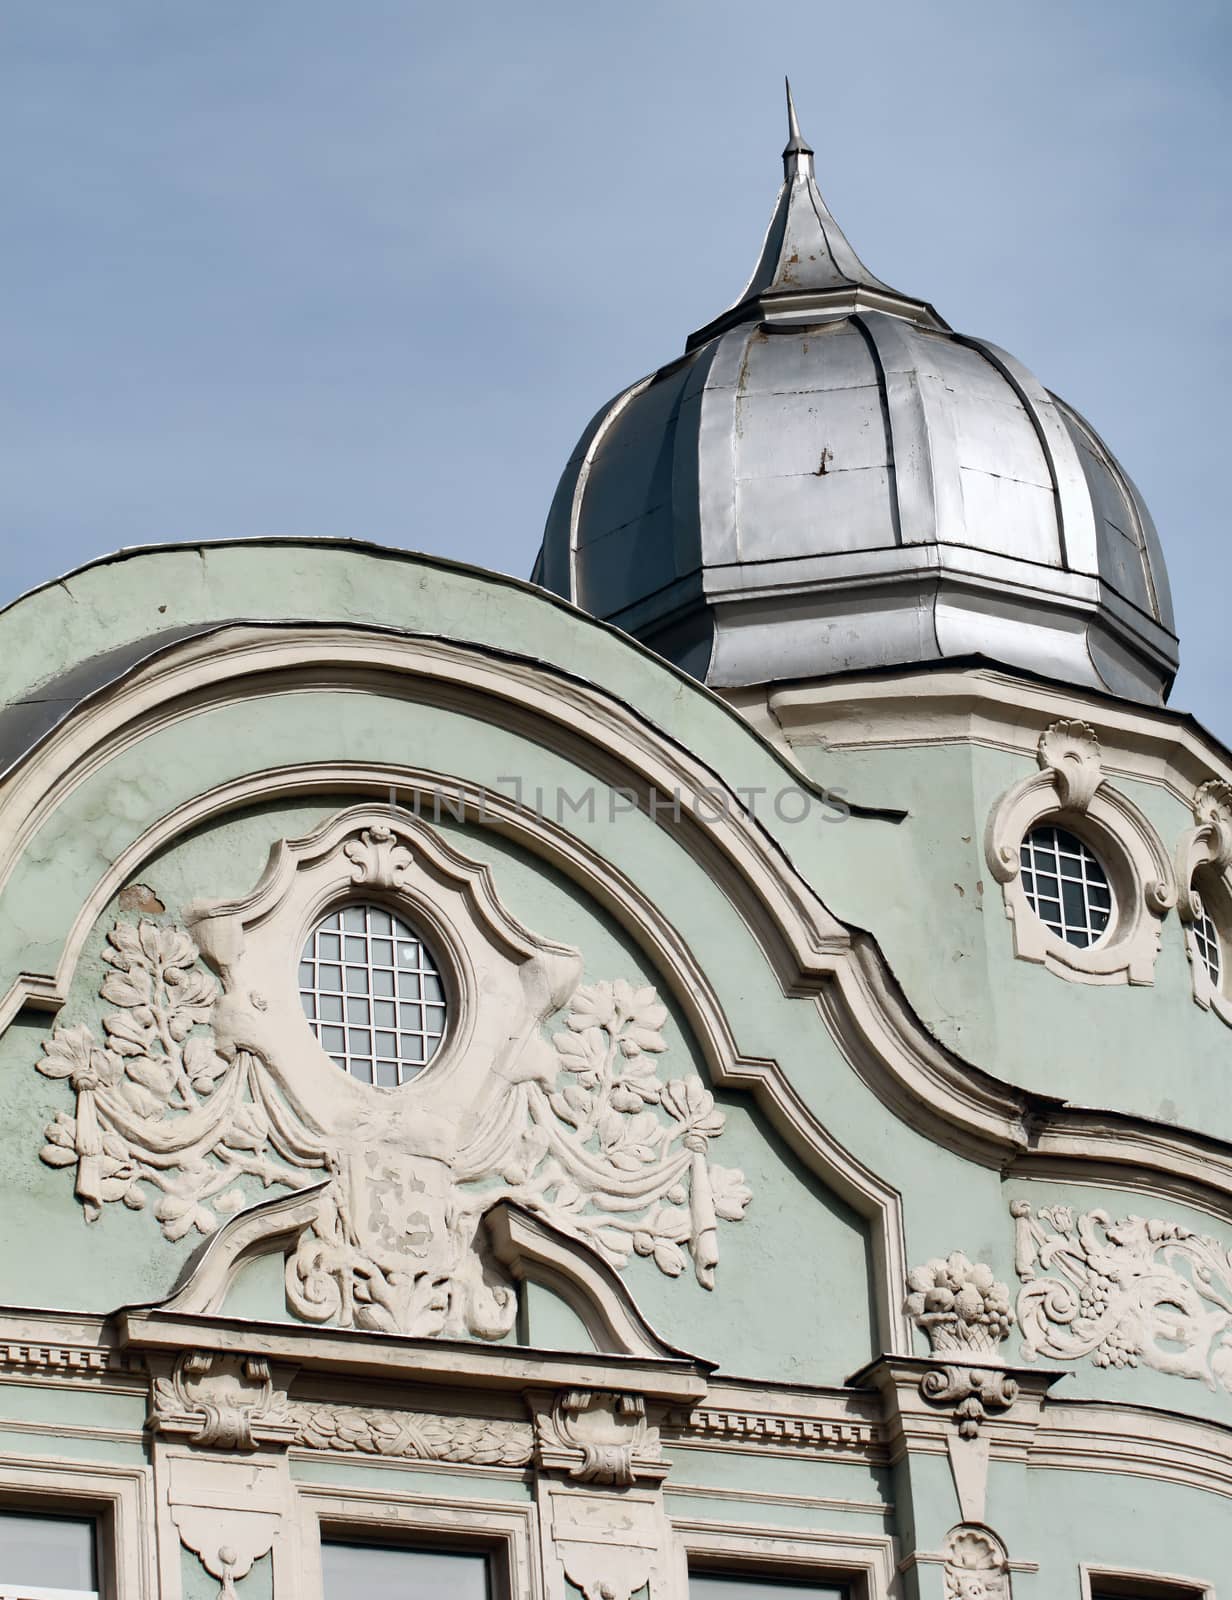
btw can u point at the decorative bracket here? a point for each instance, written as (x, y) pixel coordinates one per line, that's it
(975, 1393)
(598, 1436)
(221, 1402)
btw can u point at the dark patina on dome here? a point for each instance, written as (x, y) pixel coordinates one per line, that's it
(831, 479)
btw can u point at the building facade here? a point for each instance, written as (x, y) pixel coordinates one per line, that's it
(703, 1075)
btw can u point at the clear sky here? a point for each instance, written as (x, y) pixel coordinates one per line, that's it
(366, 267)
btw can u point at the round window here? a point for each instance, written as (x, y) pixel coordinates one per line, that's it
(1066, 885)
(1206, 937)
(373, 995)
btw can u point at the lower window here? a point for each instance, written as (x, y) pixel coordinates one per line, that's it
(1128, 1587)
(394, 1572)
(736, 1586)
(45, 1557)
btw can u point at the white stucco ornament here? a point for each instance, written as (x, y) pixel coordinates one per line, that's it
(976, 1567)
(1071, 791)
(960, 1305)
(1125, 1293)
(207, 1086)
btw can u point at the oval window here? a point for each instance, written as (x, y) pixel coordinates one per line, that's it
(1066, 885)
(373, 994)
(1206, 937)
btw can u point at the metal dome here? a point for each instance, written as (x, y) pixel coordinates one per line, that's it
(831, 479)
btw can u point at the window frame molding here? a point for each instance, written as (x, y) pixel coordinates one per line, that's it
(866, 1563)
(1204, 873)
(120, 1500)
(1070, 792)
(390, 1517)
(1167, 1585)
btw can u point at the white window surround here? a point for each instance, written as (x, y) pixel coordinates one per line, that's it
(505, 1534)
(121, 1502)
(866, 1565)
(1136, 1584)
(23, 1591)
(1204, 869)
(360, 1567)
(1071, 792)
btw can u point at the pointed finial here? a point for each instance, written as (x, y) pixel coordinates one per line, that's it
(797, 145)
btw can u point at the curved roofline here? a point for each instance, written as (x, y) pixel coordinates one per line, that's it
(446, 564)
(306, 541)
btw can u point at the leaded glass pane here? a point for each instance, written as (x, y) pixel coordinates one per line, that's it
(1206, 936)
(355, 955)
(1066, 885)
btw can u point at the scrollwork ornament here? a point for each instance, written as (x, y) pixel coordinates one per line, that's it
(976, 1393)
(1205, 847)
(1070, 751)
(158, 1107)
(976, 1565)
(1130, 1292)
(202, 1090)
(1070, 791)
(599, 1437)
(222, 1402)
(378, 857)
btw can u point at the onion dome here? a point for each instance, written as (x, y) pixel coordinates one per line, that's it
(830, 479)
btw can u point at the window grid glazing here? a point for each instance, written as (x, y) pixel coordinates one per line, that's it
(372, 994)
(1066, 886)
(1206, 937)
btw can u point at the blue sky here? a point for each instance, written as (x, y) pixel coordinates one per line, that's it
(367, 268)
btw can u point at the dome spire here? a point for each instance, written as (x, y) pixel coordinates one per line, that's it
(807, 267)
(796, 143)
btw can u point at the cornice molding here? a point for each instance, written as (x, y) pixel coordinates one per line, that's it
(998, 711)
(1099, 1436)
(394, 1358)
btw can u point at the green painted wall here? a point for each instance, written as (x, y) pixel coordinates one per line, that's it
(793, 1295)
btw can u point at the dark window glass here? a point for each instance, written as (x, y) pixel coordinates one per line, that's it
(47, 1552)
(734, 1586)
(1129, 1588)
(1066, 885)
(380, 1572)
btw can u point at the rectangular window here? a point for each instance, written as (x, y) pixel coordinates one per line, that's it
(1129, 1586)
(46, 1557)
(734, 1586)
(391, 1572)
